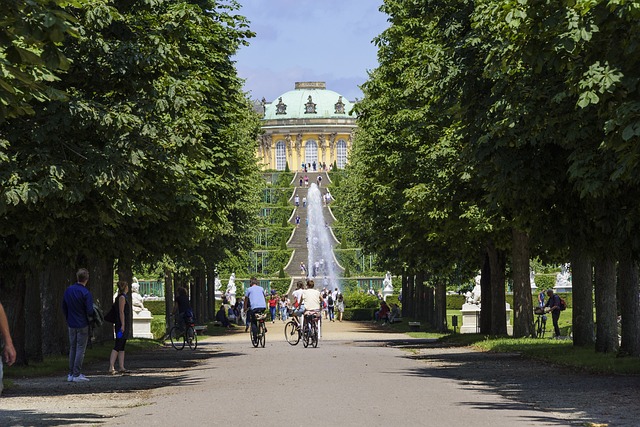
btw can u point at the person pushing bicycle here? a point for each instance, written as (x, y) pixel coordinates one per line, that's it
(254, 302)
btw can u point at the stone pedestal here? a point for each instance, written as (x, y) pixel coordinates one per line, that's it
(142, 324)
(218, 294)
(471, 319)
(386, 291)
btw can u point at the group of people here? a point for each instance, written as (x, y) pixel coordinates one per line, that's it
(78, 309)
(387, 314)
(313, 166)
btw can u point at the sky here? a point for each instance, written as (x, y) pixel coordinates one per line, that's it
(309, 40)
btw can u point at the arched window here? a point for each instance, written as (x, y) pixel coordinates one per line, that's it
(311, 151)
(342, 153)
(281, 156)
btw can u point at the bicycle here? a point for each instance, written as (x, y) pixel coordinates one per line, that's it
(179, 338)
(540, 325)
(310, 333)
(292, 331)
(258, 330)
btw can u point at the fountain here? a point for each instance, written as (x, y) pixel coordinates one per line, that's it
(321, 262)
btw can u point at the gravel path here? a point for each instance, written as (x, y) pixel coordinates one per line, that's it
(498, 387)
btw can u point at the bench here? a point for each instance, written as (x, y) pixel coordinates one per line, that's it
(414, 326)
(200, 329)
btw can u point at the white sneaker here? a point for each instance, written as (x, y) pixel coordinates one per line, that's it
(79, 378)
(69, 378)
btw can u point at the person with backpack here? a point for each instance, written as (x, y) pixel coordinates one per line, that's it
(554, 306)
(330, 307)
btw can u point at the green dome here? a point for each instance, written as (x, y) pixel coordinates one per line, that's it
(299, 103)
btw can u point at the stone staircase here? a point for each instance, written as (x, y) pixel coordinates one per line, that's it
(298, 241)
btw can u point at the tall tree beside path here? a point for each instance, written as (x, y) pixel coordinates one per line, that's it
(151, 153)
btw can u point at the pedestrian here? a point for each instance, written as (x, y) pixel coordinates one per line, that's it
(273, 306)
(330, 307)
(553, 305)
(306, 181)
(314, 165)
(297, 221)
(122, 329)
(77, 306)
(300, 181)
(284, 308)
(296, 200)
(319, 179)
(303, 269)
(340, 307)
(304, 202)
(9, 352)
(541, 298)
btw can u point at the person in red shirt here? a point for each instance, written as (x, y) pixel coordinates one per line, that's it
(273, 304)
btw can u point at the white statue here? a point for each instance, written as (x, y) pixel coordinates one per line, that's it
(217, 284)
(532, 279)
(387, 288)
(387, 282)
(136, 298)
(563, 279)
(231, 290)
(474, 297)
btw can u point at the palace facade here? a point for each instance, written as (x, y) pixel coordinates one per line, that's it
(307, 125)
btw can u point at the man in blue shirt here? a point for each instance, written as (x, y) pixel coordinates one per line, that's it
(77, 305)
(254, 301)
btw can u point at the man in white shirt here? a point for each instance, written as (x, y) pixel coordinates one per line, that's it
(311, 298)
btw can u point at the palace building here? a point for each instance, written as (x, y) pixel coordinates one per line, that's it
(307, 125)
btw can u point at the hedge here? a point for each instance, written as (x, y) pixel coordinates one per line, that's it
(358, 313)
(156, 308)
(454, 302)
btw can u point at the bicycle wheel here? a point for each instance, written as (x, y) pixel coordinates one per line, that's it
(254, 335)
(314, 336)
(543, 328)
(177, 338)
(305, 337)
(292, 333)
(262, 337)
(192, 338)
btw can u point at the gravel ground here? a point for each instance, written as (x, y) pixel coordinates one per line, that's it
(578, 398)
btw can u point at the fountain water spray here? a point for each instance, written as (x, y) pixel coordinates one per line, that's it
(321, 262)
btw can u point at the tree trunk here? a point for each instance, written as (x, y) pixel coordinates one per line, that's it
(582, 295)
(168, 298)
(54, 280)
(522, 301)
(421, 297)
(629, 306)
(607, 325)
(33, 318)
(211, 292)
(440, 317)
(404, 293)
(411, 297)
(101, 287)
(13, 290)
(485, 298)
(497, 259)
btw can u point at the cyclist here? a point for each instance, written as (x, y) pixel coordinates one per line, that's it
(182, 306)
(312, 298)
(254, 299)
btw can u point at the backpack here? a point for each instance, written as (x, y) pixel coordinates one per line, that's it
(330, 301)
(563, 304)
(97, 318)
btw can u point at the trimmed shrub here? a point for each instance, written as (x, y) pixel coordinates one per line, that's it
(157, 308)
(358, 313)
